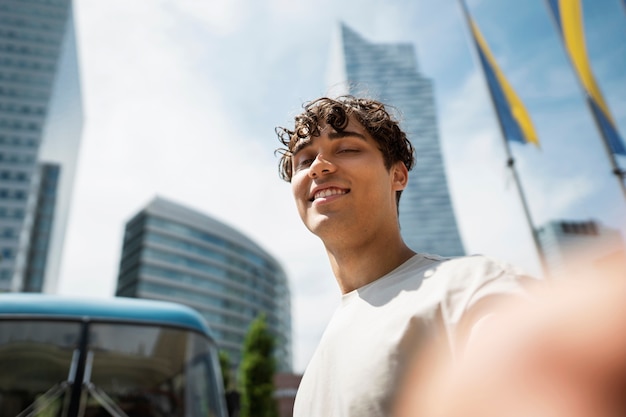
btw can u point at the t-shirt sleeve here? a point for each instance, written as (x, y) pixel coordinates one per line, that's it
(474, 278)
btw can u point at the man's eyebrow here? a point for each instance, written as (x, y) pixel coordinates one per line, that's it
(304, 142)
(300, 144)
(344, 133)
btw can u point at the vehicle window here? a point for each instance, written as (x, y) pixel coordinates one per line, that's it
(36, 358)
(139, 371)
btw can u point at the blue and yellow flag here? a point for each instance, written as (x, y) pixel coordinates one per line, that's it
(568, 17)
(514, 118)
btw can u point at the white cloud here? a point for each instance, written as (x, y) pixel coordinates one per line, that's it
(222, 17)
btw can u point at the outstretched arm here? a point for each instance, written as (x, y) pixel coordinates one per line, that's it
(561, 354)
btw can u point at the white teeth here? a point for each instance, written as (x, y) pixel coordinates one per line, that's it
(328, 192)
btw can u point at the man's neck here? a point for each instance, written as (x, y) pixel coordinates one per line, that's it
(360, 265)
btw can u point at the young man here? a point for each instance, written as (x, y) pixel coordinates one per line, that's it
(348, 161)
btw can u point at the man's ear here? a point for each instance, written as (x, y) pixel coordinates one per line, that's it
(399, 176)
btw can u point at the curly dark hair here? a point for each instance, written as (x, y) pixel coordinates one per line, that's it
(372, 114)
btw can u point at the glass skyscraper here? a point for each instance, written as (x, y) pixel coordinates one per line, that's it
(40, 128)
(389, 73)
(173, 253)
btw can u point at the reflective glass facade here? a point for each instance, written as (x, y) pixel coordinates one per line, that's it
(389, 73)
(41, 231)
(40, 124)
(176, 254)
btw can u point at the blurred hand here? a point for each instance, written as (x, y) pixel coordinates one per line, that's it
(563, 354)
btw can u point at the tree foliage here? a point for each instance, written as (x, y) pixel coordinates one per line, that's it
(225, 368)
(257, 371)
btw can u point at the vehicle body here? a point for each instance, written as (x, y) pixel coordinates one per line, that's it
(120, 357)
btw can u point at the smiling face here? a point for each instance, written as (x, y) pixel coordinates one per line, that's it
(341, 186)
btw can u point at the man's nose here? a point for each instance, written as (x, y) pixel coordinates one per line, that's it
(321, 166)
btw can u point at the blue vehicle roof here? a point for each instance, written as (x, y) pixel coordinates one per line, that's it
(116, 309)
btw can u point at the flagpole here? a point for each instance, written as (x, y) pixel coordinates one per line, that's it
(615, 168)
(510, 162)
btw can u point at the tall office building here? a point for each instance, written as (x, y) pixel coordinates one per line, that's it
(389, 73)
(40, 128)
(173, 253)
(582, 248)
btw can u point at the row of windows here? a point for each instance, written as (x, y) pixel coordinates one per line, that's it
(219, 254)
(16, 124)
(13, 194)
(208, 284)
(33, 10)
(217, 320)
(20, 93)
(239, 259)
(186, 231)
(50, 3)
(28, 50)
(191, 232)
(8, 232)
(21, 22)
(16, 158)
(34, 65)
(186, 246)
(11, 213)
(18, 141)
(17, 176)
(189, 296)
(241, 320)
(21, 35)
(231, 261)
(25, 78)
(262, 298)
(185, 278)
(196, 265)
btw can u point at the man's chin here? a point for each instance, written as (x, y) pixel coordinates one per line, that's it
(322, 225)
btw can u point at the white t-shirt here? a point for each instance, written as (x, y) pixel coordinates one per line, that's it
(356, 366)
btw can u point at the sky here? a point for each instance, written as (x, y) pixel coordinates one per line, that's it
(181, 98)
